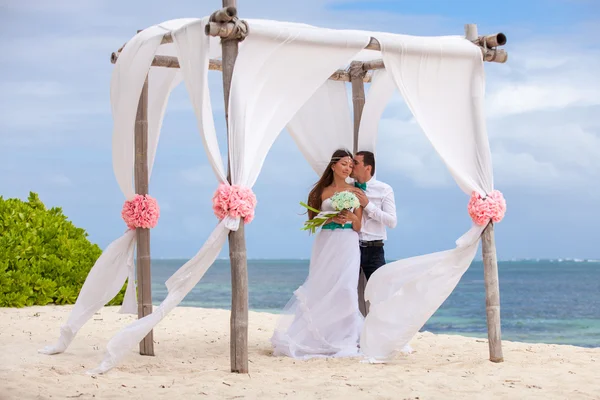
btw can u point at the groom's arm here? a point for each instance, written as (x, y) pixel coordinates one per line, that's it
(387, 213)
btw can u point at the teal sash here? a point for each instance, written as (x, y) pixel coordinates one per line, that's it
(335, 225)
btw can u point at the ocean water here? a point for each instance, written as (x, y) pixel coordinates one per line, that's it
(542, 301)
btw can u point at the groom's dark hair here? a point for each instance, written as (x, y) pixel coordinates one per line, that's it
(368, 159)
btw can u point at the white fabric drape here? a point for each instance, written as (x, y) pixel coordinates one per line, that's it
(323, 125)
(262, 102)
(442, 81)
(275, 75)
(115, 265)
(193, 50)
(377, 97)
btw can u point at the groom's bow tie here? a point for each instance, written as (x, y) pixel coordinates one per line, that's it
(362, 186)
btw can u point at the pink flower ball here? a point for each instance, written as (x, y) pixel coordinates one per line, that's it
(221, 201)
(492, 207)
(141, 212)
(235, 201)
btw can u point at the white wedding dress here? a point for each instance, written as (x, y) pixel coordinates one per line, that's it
(322, 319)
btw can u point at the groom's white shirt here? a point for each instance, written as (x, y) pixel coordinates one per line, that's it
(379, 213)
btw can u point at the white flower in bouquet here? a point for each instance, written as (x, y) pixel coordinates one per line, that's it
(344, 201)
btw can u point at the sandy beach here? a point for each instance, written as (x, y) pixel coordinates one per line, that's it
(192, 361)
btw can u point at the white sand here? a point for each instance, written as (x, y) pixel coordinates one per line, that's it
(192, 362)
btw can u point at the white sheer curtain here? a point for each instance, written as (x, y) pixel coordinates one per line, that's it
(275, 75)
(442, 81)
(263, 99)
(323, 125)
(115, 265)
(377, 97)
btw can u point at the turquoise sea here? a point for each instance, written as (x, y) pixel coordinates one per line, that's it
(542, 301)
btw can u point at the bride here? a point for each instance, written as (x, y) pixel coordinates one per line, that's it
(322, 319)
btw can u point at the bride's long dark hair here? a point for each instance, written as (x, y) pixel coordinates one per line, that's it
(314, 197)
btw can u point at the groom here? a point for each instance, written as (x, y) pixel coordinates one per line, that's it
(377, 200)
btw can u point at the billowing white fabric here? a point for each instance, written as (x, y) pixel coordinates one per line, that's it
(262, 94)
(323, 125)
(442, 81)
(258, 111)
(322, 319)
(115, 265)
(126, 85)
(377, 97)
(193, 50)
(104, 282)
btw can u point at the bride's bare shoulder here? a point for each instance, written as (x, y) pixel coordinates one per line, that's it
(327, 193)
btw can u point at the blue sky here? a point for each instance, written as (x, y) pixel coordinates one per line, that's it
(542, 107)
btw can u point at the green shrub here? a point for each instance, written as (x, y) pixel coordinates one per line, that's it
(44, 258)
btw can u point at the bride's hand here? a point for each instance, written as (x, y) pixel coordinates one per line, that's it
(339, 219)
(347, 216)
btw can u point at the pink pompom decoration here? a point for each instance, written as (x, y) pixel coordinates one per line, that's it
(492, 207)
(234, 201)
(141, 212)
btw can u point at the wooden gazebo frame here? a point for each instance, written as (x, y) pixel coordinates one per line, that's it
(224, 23)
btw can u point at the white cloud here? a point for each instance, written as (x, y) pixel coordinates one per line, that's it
(539, 149)
(523, 169)
(549, 73)
(403, 147)
(516, 98)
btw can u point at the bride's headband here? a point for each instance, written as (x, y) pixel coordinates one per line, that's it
(336, 159)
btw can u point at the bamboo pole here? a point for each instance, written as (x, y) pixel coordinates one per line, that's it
(488, 44)
(220, 29)
(144, 277)
(357, 73)
(495, 55)
(499, 39)
(490, 268)
(238, 341)
(225, 14)
(492, 293)
(372, 65)
(471, 32)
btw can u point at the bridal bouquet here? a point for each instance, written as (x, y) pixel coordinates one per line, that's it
(340, 201)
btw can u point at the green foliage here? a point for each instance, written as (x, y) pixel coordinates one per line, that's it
(44, 258)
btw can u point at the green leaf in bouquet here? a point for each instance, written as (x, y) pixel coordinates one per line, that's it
(309, 207)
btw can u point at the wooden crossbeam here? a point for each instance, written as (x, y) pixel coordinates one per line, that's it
(217, 65)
